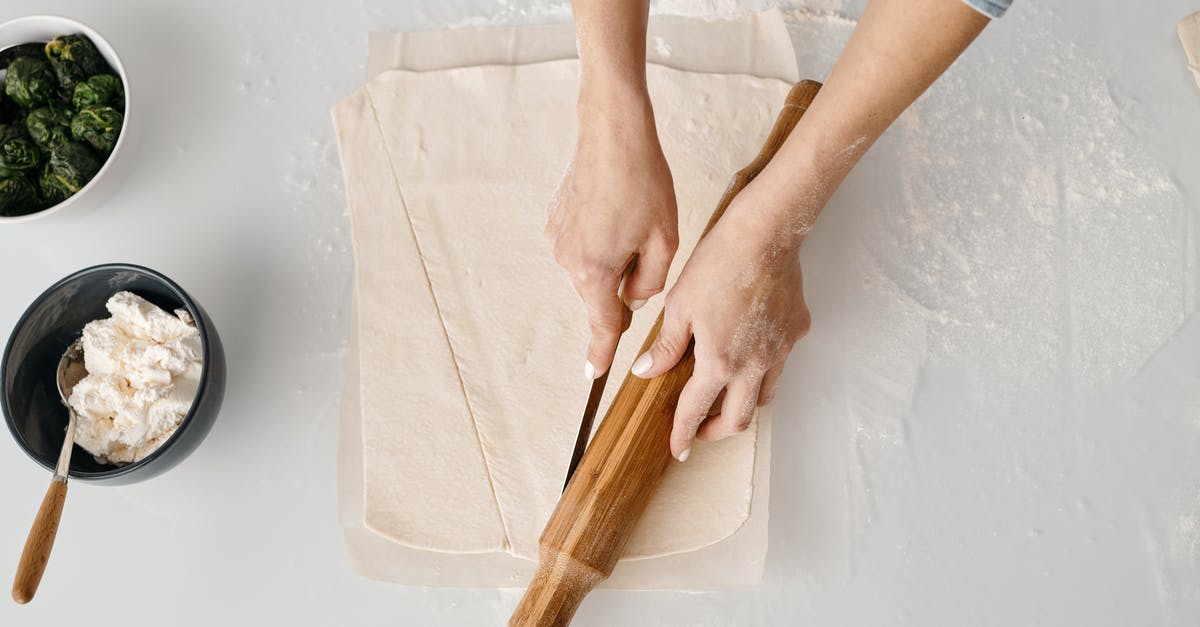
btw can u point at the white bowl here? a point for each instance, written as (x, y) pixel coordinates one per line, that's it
(44, 28)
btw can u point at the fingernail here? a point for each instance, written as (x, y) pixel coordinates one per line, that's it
(637, 304)
(685, 454)
(589, 371)
(642, 365)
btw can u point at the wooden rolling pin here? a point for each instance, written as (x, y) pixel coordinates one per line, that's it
(625, 462)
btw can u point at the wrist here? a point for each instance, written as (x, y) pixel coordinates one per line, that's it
(613, 97)
(779, 207)
(611, 113)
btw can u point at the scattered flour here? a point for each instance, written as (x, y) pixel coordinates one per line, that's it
(662, 47)
(1028, 221)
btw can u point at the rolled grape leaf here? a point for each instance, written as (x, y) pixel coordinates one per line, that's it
(101, 89)
(18, 196)
(30, 82)
(74, 58)
(17, 150)
(49, 126)
(70, 167)
(99, 126)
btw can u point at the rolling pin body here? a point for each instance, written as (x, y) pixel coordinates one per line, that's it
(625, 462)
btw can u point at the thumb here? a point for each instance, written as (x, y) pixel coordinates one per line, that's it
(668, 347)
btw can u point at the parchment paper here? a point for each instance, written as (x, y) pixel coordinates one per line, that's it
(756, 44)
(1189, 35)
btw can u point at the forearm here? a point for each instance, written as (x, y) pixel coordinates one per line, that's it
(612, 53)
(899, 49)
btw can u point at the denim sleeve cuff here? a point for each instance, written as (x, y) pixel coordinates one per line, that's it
(990, 8)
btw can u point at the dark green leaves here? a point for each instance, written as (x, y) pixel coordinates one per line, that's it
(74, 58)
(101, 89)
(49, 126)
(70, 167)
(17, 150)
(18, 195)
(61, 113)
(99, 126)
(30, 82)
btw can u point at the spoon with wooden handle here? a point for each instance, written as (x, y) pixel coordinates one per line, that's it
(45, 525)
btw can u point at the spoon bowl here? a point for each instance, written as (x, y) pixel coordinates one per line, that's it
(71, 370)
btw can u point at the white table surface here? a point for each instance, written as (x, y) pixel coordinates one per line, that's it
(958, 449)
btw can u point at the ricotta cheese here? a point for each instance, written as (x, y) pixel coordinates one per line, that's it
(143, 367)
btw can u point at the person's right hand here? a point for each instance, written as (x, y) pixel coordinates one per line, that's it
(616, 203)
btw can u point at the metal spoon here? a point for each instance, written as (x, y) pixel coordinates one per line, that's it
(45, 526)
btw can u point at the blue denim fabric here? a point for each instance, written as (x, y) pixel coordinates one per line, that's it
(990, 8)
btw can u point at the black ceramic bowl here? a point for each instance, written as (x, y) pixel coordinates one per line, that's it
(32, 409)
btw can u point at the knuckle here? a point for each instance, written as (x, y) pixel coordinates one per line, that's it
(586, 272)
(672, 308)
(559, 250)
(687, 422)
(803, 325)
(670, 239)
(721, 366)
(671, 340)
(759, 364)
(648, 285)
(604, 326)
(666, 344)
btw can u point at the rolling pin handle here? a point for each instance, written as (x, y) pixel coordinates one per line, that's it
(625, 462)
(558, 587)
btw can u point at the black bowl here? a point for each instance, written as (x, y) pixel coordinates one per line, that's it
(28, 396)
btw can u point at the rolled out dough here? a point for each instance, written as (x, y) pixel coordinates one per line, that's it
(1189, 34)
(472, 330)
(737, 558)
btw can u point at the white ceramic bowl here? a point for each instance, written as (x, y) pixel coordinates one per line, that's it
(44, 28)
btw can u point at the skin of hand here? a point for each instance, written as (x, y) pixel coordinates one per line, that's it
(740, 295)
(615, 203)
(613, 221)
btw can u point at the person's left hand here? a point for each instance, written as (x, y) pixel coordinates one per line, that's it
(741, 297)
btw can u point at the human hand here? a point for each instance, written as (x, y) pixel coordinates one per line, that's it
(615, 205)
(741, 297)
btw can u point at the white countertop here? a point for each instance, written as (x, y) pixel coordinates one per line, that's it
(982, 429)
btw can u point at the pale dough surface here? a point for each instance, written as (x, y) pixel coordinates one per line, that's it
(755, 43)
(736, 561)
(1189, 34)
(472, 389)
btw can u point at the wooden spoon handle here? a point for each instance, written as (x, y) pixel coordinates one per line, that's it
(39, 543)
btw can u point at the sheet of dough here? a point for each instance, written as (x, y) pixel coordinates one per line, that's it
(757, 44)
(473, 170)
(763, 39)
(736, 561)
(1189, 34)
